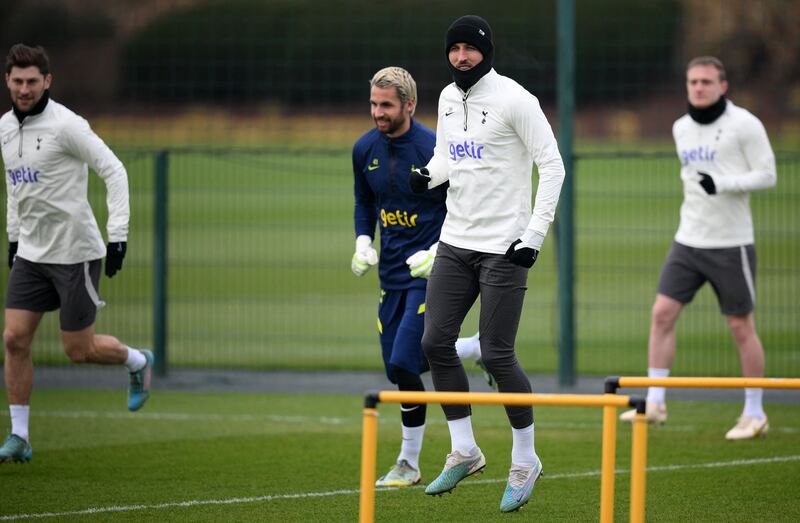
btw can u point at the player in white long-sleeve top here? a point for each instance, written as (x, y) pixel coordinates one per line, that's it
(55, 246)
(725, 154)
(489, 134)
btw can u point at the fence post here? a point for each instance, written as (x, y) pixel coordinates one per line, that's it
(160, 263)
(566, 228)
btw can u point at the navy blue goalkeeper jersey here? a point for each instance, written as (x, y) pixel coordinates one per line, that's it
(408, 222)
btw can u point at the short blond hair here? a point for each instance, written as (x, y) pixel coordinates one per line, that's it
(398, 78)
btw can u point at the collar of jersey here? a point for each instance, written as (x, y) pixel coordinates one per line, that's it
(709, 114)
(485, 80)
(403, 138)
(36, 109)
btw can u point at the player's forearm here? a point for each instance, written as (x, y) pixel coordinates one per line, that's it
(365, 228)
(751, 181)
(365, 217)
(759, 159)
(12, 219)
(437, 169)
(118, 204)
(551, 178)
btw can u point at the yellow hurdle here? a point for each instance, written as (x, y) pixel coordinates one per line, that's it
(638, 466)
(639, 457)
(369, 452)
(706, 383)
(609, 402)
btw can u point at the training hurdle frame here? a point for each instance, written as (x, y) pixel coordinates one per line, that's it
(609, 401)
(613, 383)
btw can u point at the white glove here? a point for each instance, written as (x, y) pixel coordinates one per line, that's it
(365, 256)
(421, 262)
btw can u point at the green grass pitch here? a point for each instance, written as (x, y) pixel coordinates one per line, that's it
(191, 456)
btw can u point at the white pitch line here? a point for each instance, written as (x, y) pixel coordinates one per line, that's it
(322, 420)
(661, 468)
(347, 492)
(181, 416)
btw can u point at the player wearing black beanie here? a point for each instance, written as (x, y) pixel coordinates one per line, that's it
(475, 31)
(490, 132)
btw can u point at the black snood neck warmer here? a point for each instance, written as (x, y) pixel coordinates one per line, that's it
(708, 114)
(36, 109)
(475, 31)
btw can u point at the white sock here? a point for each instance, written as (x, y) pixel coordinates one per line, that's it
(136, 360)
(523, 452)
(469, 348)
(461, 437)
(753, 406)
(19, 420)
(412, 445)
(657, 394)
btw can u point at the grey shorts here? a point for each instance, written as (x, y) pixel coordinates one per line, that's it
(731, 272)
(43, 287)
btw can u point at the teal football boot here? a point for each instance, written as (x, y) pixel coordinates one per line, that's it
(15, 450)
(139, 389)
(456, 467)
(519, 489)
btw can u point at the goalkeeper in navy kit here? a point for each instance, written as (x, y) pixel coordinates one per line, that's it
(409, 225)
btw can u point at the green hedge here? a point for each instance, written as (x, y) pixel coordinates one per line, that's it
(312, 52)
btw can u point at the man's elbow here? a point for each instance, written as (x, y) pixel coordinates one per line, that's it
(772, 179)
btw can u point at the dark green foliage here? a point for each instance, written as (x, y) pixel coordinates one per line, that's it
(324, 53)
(51, 24)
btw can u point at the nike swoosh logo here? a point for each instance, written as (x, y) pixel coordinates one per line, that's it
(372, 167)
(448, 114)
(403, 409)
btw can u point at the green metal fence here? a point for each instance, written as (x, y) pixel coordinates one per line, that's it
(258, 241)
(259, 246)
(627, 214)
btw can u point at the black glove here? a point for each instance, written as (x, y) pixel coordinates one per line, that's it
(419, 180)
(115, 253)
(12, 252)
(524, 257)
(708, 183)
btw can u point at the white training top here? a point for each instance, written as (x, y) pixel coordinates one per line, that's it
(45, 160)
(734, 150)
(487, 141)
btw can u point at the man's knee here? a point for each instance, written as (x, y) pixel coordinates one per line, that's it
(430, 341)
(407, 380)
(77, 352)
(15, 342)
(665, 312)
(495, 360)
(742, 327)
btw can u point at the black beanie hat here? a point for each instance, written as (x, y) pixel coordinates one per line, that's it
(473, 30)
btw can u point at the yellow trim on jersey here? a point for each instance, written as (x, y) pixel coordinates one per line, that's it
(421, 308)
(380, 326)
